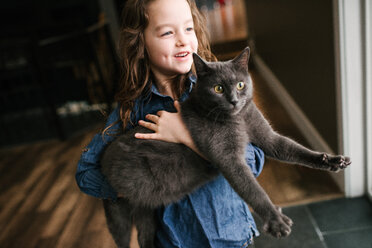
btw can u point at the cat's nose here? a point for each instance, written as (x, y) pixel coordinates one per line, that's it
(234, 102)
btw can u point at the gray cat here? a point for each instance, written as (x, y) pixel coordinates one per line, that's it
(222, 119)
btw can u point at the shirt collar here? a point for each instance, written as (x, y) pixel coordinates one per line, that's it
(191, 81)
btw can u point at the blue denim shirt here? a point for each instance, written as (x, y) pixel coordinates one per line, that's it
(212, 216)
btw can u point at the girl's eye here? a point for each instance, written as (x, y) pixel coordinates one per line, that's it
(218, 89)
(166, 33)
(240, 86)
(189, 29)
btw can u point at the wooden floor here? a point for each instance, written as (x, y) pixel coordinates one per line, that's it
(40, 204)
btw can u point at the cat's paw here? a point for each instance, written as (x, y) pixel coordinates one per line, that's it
(279, 226)
(335, 163)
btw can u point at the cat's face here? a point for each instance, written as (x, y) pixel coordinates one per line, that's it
(224, 86)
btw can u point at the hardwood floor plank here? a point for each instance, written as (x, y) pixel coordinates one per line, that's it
(13, 228)
(36, 195)
(60, 215)
(268, 181)
(96, 239)
(9, 210)
(96, 233)
(46, 242)
(30, 236)
(15, 196)
(105, 240)
(288, 177)
(98, 220)
(77, 223)
(54, 193)
(19, 167)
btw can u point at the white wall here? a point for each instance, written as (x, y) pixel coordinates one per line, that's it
(368, 93)
(352, 80)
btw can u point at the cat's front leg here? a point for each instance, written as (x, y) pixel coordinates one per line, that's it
(243, 182)
(285, 149)
(231, 163)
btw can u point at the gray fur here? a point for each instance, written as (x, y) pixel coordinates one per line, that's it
(153, 173)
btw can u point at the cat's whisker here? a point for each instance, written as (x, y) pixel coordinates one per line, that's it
(212, 110)
(216, 117)
(216, 111)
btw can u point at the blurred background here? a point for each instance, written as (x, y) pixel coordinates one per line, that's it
(59, 70)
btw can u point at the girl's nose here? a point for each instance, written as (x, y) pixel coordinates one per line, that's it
(181, 40)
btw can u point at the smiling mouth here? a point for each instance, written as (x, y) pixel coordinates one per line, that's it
(182, 55)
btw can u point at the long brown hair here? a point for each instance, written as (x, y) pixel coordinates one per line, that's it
(136, 73)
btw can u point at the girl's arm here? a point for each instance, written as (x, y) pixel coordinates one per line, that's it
(88, 174)
(170, 127)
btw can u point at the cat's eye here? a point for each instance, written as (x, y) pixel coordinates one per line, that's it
(240, 86)
(218, 89)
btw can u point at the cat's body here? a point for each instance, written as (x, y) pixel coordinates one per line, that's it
(222, 119)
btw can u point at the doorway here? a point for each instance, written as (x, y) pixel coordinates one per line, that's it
(286, 184)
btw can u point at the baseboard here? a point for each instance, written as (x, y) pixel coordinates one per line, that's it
(301, 121)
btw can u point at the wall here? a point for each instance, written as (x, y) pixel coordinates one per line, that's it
(296, 40)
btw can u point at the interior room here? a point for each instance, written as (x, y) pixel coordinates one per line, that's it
(310, 67)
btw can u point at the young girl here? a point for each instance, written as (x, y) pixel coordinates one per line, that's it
(157, 42)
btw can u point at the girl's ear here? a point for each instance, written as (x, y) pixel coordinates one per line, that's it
(242, 59)
(200, 65)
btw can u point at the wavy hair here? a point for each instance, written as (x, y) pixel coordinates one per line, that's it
(136, 74)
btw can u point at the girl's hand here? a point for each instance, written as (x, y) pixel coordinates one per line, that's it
(167, 127)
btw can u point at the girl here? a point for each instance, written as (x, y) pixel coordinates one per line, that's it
(157, 42)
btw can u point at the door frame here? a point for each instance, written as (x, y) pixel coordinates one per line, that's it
(368, 96)
(353, 60)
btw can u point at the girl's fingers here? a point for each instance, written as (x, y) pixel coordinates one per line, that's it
(153, 136)
(148, 125)
(153, 118)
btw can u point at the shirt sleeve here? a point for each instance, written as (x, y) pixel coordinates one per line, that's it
(88, 174)
(255, 158)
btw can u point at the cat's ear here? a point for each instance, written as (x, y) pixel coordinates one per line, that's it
(242, 59)
(200, 65)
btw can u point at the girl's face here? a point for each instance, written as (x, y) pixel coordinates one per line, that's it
(170, 39)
